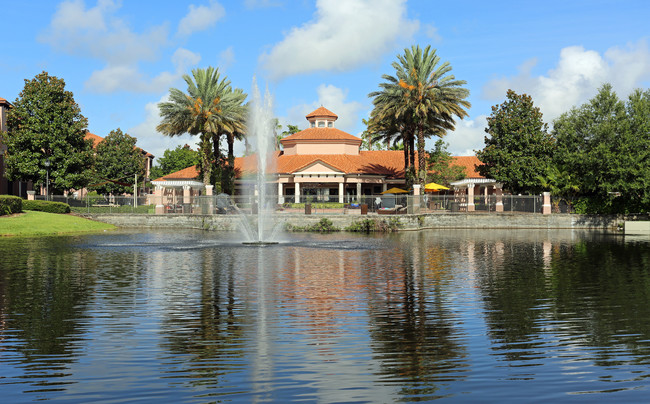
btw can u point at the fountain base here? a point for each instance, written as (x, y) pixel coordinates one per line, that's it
(259, 242)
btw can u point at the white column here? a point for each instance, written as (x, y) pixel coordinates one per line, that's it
(297, 192)
(359, 192)
(470, 197)
(341, 192)
(546, 206)
(160, 208)
(416, 198)
(280, 194)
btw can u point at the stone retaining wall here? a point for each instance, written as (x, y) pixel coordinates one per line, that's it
(404, 222)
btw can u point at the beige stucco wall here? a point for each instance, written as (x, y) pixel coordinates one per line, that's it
(321, 148)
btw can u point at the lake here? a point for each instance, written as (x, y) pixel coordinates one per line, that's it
(192, 316)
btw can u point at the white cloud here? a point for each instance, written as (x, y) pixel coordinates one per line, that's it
(97, 33)
(152, 141)
(343, 36)
(334, 99)
(124, 77)
(199, 18)
(432, 32)
(226, 58)
(577, 77)
(468, 136)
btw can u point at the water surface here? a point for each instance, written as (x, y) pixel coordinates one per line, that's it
(189, 316)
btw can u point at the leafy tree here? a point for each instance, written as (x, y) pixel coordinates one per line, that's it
(442, 169)
(117, 162)
(420, 101)
(46, 126)
(174, 160)
(605, 143)
(518, 147)
(210, 109)
(370, 141)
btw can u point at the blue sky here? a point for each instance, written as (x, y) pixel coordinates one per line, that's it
(120, 58)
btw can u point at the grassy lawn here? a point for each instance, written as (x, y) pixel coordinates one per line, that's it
(33, 223)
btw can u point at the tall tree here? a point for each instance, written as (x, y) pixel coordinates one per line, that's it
(210, 108)
(175, 159)
(518, 147)
(422, 99)
(606, 144)
(233, 126)
(46, 127)
(117, 162)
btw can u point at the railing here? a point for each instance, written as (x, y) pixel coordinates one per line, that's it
(379, 204)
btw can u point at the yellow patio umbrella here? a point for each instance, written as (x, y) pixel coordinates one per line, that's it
(395, 191)
(432, 186)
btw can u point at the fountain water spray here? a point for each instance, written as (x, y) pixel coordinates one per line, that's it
(260, 132)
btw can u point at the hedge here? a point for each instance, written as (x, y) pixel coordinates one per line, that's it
(47, 206)
(10, 204)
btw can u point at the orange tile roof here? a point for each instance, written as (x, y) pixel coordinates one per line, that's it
(469, 163)
(318, 134)
(322, 111)
(388, 163)
(97, 139)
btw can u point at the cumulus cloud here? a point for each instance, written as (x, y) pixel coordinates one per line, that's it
(152, 141)
(334, 99)
(98, 33)
(226, 58)
(576, 78)
(468, 136)
(128, 78)
(199, 18)
(343, 36)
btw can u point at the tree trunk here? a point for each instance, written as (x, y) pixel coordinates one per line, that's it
(422, 161)
(206, 167)
(228, 181)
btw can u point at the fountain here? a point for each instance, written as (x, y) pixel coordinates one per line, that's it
(260, 132)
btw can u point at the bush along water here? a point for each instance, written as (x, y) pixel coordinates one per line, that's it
(374, 225)
(323, 226)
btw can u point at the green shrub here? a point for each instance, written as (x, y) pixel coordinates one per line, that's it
(46, 206)
(374, 225)
(10, 204)
(324, 225)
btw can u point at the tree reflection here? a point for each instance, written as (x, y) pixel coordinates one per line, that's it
(413, 328)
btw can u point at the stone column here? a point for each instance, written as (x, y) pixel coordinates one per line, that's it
(297, 192)
(209, 191)
(30, 195)
(498, 191)
(358, 192)
(160, 208)
(470, 197)
(416, 198)
(341, 192)
(187, 203)
(546, 207)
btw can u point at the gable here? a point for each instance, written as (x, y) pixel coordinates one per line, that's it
(318, 167)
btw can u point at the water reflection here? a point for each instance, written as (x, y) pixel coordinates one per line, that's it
(192, 316)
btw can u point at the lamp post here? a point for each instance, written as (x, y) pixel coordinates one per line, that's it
(47, 178)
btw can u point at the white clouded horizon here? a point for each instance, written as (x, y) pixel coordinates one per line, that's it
(343, 36)
(577, 77)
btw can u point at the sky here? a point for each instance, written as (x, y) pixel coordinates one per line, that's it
(120, 58)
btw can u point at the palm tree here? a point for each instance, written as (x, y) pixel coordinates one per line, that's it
(210, 108)
(421, 99)
(233, 127)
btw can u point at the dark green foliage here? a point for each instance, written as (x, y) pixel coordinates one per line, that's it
(117, 162)
(10, 204)
(45, 124)
(518, 147)
(605, 146)
(325, 225)
(46, 206)
(174, 160)
(374, 225)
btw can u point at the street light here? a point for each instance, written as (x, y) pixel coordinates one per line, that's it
(47, 178)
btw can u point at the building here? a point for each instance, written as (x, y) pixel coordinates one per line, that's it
(322, 163)
(18, 188)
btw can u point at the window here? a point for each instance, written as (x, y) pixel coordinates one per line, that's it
(313, 124)
(329, 124)
(321, 124)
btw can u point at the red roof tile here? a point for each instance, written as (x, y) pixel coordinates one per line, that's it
(319, 134)
(469, 163)
(97, 139)
(322, 112)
